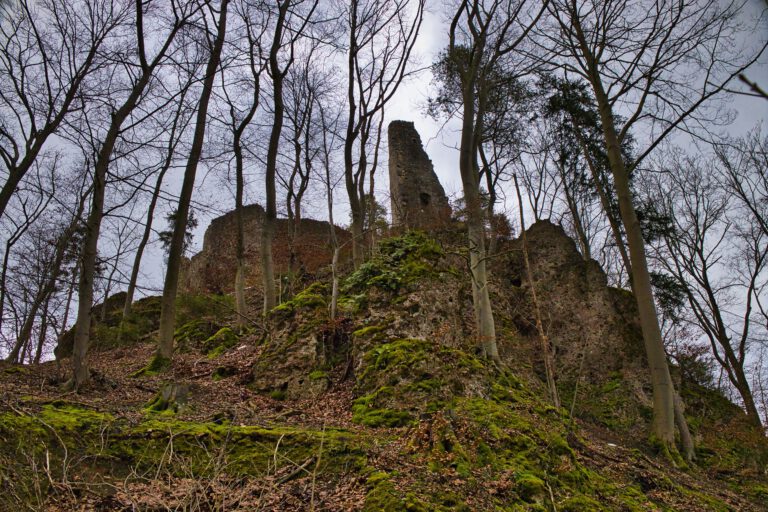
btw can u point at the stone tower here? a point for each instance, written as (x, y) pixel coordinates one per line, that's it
(418, 199)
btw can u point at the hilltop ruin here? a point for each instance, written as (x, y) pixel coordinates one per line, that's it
(418, 199)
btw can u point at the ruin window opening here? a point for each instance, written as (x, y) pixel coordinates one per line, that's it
(425, 199)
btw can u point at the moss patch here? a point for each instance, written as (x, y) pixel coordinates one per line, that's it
(312, 297)
(156, 365)
(400, 262)
(246, 450)
(219, 342)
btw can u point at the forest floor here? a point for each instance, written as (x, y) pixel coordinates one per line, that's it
(296, 484)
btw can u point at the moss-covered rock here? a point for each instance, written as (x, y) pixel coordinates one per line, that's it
(247, 450)
(400, 262)
(219, 342)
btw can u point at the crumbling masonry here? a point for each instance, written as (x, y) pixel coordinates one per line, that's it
(418, 199)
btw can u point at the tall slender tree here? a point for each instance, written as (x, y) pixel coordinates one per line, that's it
(176, 250)
(293, 18)
(640, 60)
(483, 37)
(47, 52)
(136, 87)
(382, 35)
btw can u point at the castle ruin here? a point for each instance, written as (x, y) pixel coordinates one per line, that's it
(418, 199)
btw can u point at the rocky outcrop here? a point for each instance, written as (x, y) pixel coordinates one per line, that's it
(418, 199)
(213, 269)
(415, 290)
(593, 328)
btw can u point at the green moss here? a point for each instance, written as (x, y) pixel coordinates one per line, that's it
(352, 304)
(579, 504)
(382, 495)
(609, 404)
(529, 486)
(218, 343)
(424, 386)
(365, 412)
(16, 370)
(402, 353)
(156, 365)
(160, 404)
(194, 333)
(277, 394)
(667, 451)
(312, 297)
(367, 331)
(371, 417)
(211, 308)
(246, 450)
(401, 261)
(318, 375)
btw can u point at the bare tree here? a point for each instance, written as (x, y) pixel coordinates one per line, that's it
(175, 252)
(50, 273)
(47, 50)
(546, 348)
(328, 122)
(240, 115)
(302, 85)
(179, 121)
(699, 255)
(640, 61)
(483, 38)
(137, 83)
(382, 34)
(293, 18)
(31, 205)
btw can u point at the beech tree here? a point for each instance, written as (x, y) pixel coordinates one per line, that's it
(382, 34)
(328, 121)
(302, 86)
(483, 37)
(717, 264)
(47, 51)
(576, 120)
(177, 245)
(657, 64)
(240, 115)
(119, 111)
(180, 119)
(293, 18)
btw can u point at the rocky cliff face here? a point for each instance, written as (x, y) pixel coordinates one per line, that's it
(594, 329)
(387, 407)
(213, 269)
(413, 292)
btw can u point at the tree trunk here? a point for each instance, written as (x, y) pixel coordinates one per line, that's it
(742, 386)
(240, 304)
(486, 328)
(573, 208)
(43, 331)
(546, 349)
(147, 228)
(663, 390)
(689, 450)
(88, 262)
(353, 131)
(175, 252)
(270, 215)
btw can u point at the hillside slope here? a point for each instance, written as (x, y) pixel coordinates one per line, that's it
(385, 408)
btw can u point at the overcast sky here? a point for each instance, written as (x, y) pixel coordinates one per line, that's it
(440, 139)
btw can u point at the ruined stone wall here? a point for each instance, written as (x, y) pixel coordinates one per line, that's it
(418, 199)
(594, 329)
(213, 269)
